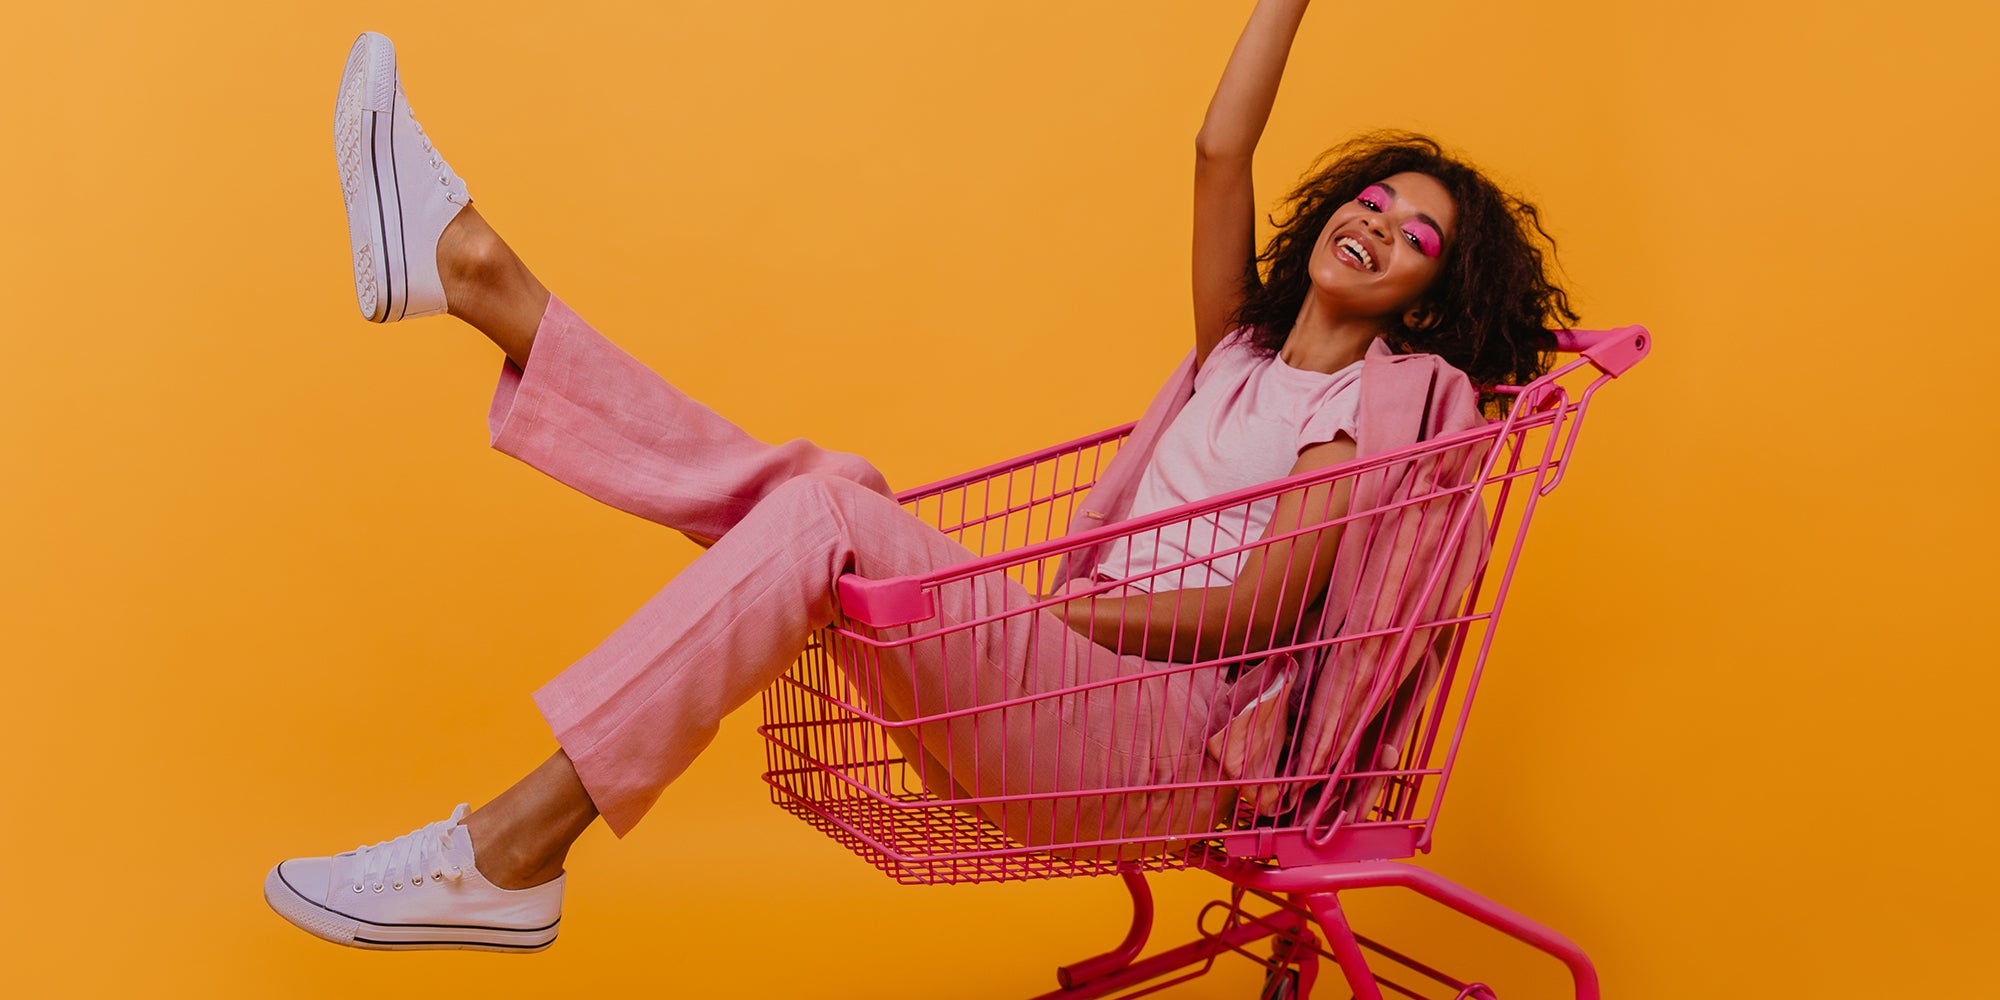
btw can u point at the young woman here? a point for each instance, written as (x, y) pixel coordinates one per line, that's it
(1387, 239)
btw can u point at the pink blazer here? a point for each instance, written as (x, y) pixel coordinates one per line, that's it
(1377, 581)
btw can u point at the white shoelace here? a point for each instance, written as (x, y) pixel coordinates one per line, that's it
(408, 861)
(444, 174)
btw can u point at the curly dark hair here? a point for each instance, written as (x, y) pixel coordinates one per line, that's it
(1493, 299)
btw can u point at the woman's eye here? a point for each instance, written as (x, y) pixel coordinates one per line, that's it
(1424, 238)
(1369, 205)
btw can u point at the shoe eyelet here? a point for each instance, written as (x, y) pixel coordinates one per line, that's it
(437, 876)
(357, 887)
(398, 887)
(378, 887)
(419, 880)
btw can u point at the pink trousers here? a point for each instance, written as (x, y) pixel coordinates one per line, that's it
(787, 520)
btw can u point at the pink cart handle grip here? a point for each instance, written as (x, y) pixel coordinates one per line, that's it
(898, 600)
(1614, 352)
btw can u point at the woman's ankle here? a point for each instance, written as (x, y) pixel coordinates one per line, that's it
(521, 838)
(489, 287)
(501, 862)
(473, 262)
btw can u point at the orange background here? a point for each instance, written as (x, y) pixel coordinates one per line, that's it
(265, 592)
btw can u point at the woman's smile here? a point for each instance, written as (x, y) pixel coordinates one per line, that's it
(1353, 252)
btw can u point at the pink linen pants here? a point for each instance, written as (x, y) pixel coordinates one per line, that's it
(786, 521)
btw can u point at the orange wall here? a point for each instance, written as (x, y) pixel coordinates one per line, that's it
(264, 591)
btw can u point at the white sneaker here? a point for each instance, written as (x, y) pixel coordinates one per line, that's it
(418, 891)
(400, 193)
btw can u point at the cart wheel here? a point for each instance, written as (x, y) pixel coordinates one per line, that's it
(1280, 984)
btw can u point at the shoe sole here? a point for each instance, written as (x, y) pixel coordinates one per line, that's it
(363, 143)
(331, 925)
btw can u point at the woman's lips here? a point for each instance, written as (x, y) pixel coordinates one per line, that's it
(1353, 252)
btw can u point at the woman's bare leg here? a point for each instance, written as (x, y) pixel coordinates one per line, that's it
(521, 838)
(487, 285)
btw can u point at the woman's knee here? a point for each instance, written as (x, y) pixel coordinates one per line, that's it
(807, 459)
(811, 492)
(863, 473)
(814, 501)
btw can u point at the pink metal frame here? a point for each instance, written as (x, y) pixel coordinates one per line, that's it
(838, 762)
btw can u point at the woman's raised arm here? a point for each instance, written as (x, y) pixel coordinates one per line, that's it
(1225, 207)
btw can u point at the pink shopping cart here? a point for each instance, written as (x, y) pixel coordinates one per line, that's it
(927, 795)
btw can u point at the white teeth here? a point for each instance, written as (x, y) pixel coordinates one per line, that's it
(1360, 252)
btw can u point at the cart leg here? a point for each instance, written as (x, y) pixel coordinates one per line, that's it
(1319, 884)
(1340, 937)
(1440, 889)
(1294, 950)
(1135, 939)
(1308, 973)
(1172, 960)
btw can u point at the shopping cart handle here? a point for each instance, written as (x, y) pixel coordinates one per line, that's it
(1614, 352)
(898, 600)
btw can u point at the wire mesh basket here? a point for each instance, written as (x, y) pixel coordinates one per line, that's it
(1080, 763)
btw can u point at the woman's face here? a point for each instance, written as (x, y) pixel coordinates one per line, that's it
(1380, 252)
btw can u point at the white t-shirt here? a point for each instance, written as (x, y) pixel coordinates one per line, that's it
(1250, 416)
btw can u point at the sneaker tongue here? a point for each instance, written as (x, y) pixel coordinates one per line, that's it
(461, 838)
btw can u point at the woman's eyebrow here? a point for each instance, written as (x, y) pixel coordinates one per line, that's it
(1386, 186)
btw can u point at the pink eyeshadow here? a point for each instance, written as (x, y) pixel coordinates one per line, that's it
(1428, 241)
